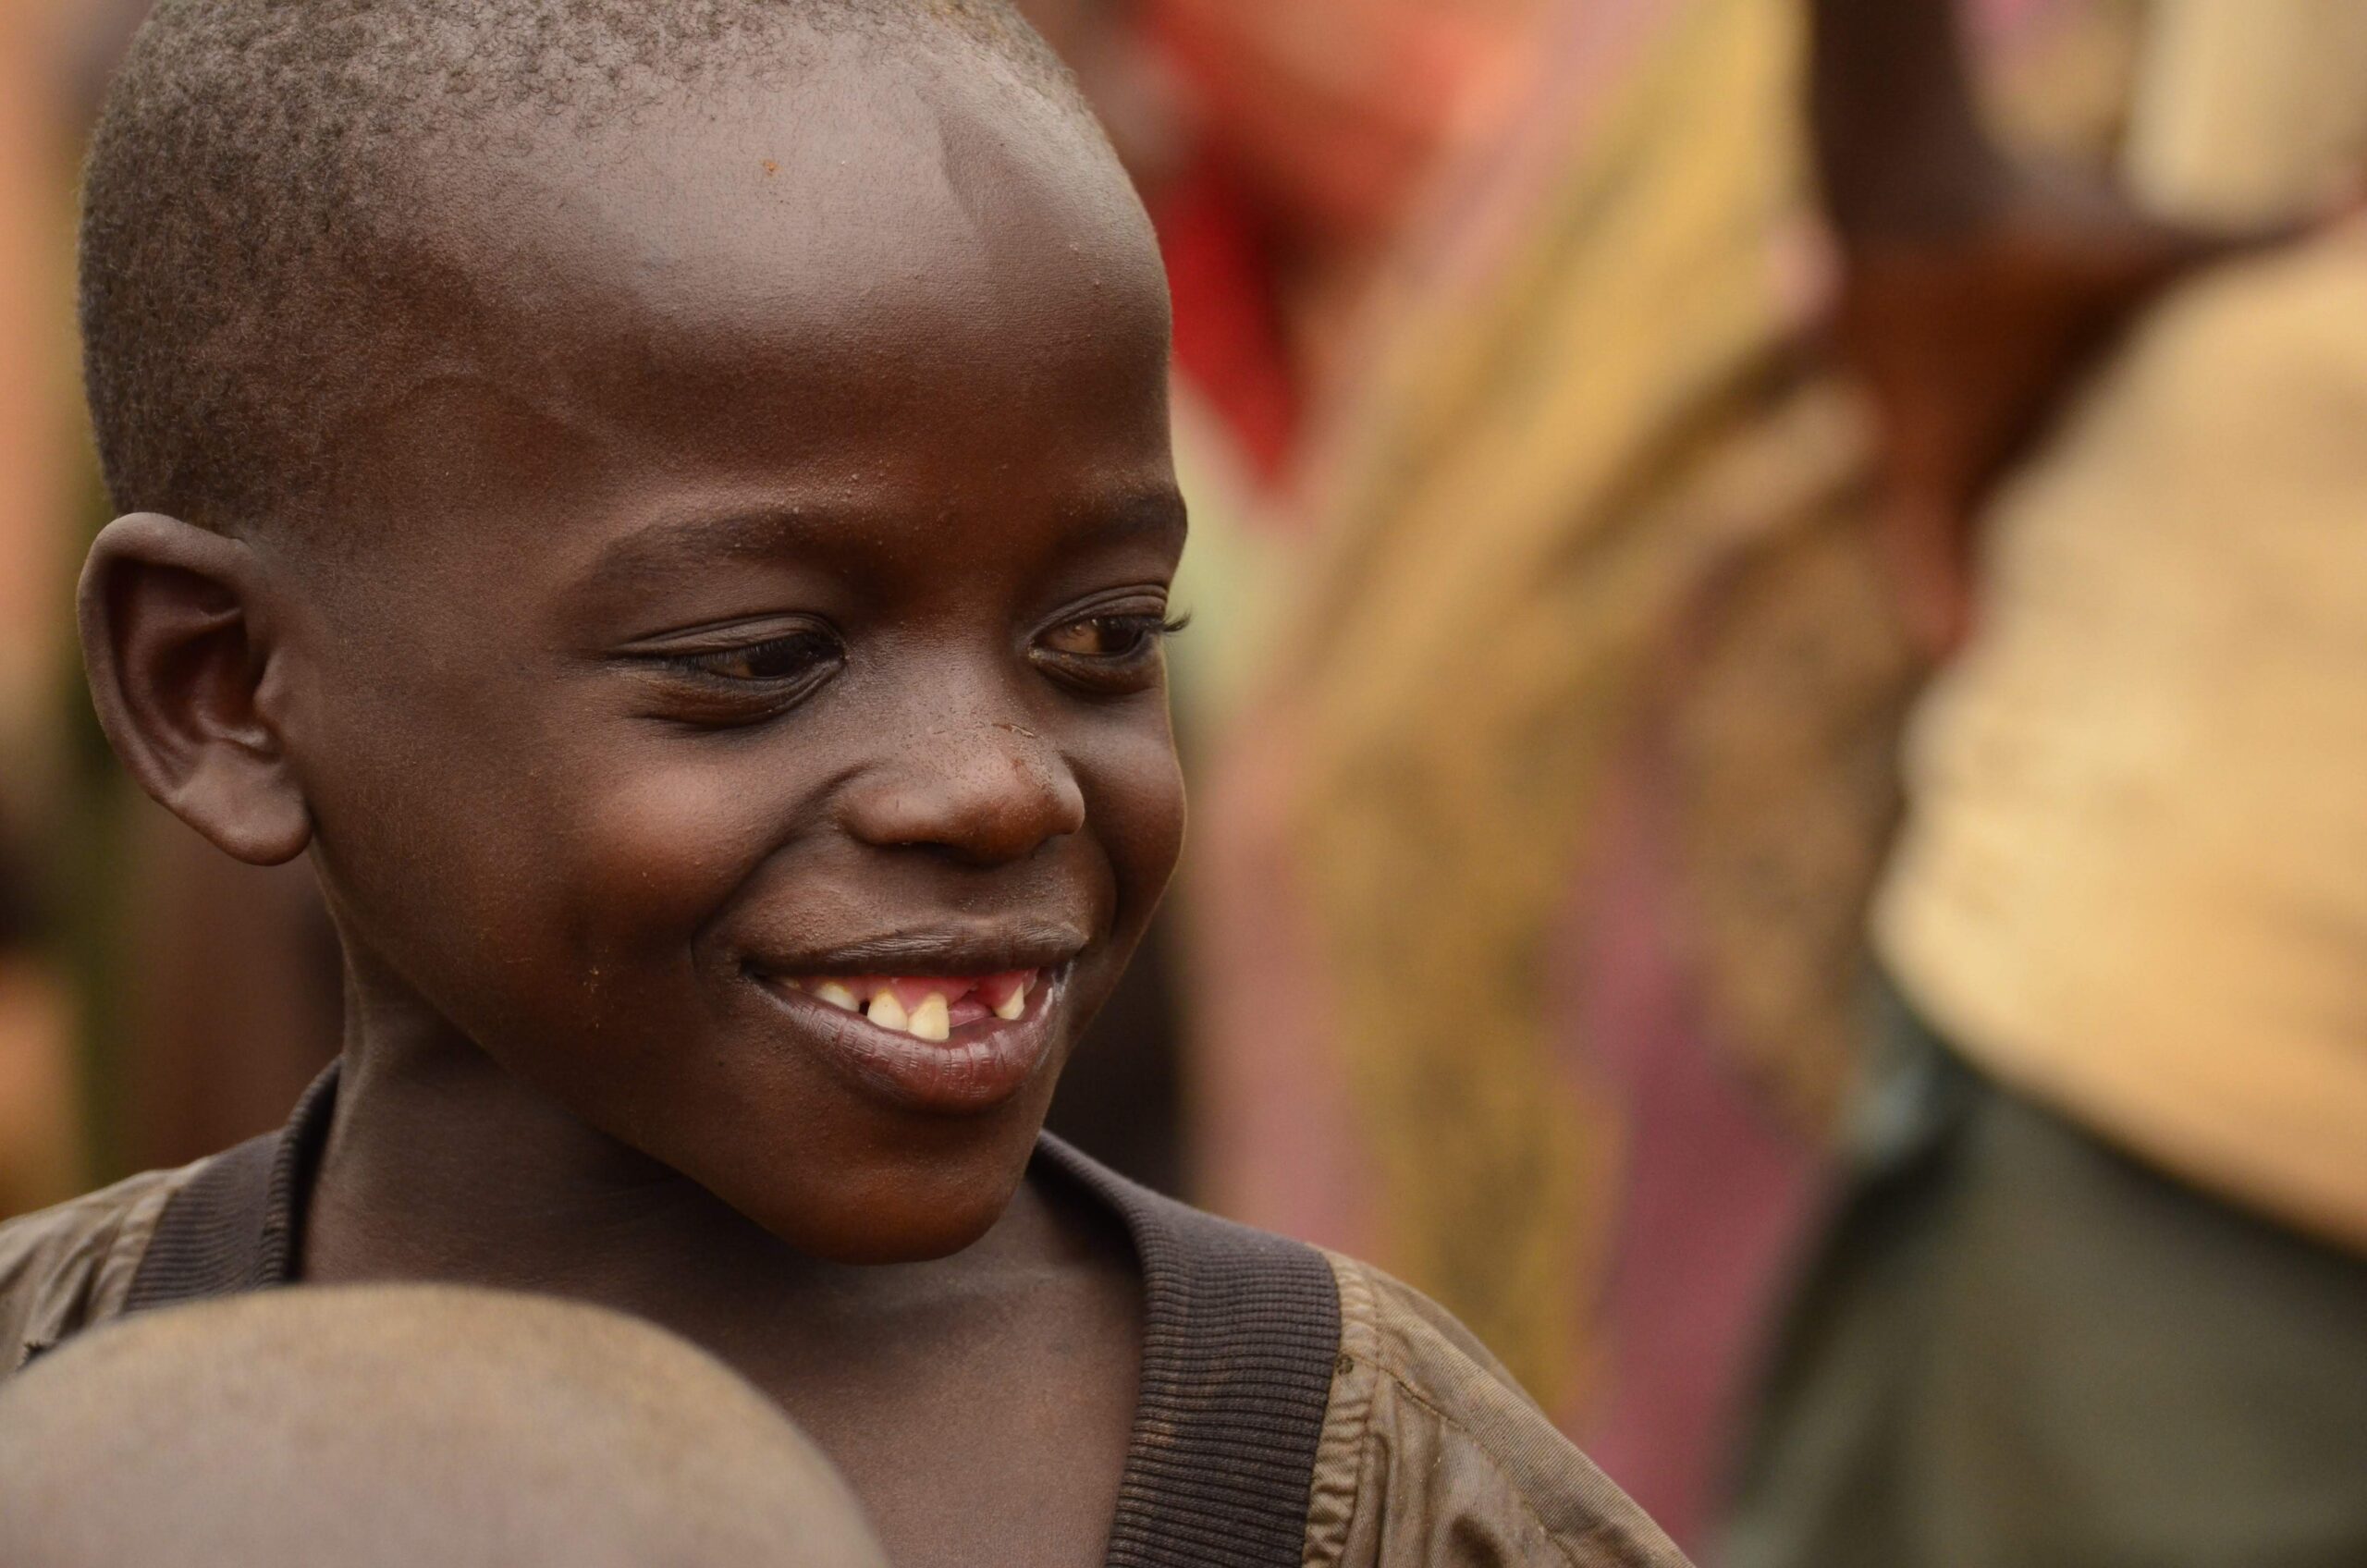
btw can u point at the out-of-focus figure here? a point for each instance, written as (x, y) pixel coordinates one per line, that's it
(2097, 1295)
(1318, 125)
(1528, 908)
(1528, 916)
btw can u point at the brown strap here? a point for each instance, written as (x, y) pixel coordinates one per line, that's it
(1241, 1338)
(237, 1225)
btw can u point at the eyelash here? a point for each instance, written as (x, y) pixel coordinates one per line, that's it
(1123, 670)
(1148, 629)
(706, 664)
(740, 696)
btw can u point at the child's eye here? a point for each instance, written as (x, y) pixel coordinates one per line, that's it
(775, 659)
(710, 682)
(1101, 637)
(1120, 637)
(1110, 653)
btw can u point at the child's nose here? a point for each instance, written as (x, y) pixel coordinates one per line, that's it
(987, 795)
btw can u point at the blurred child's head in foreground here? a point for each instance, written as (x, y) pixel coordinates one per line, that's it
(370, 1427)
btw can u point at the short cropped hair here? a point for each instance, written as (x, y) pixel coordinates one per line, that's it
(251, 204)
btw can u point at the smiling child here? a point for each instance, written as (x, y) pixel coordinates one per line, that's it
(669, 503)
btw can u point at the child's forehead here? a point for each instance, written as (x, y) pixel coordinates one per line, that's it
(882, 221)
(886, 261)
(869, 177)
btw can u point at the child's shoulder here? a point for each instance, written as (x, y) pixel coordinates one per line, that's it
(1430, 1440)
(1317, 1391)
(67, 1268)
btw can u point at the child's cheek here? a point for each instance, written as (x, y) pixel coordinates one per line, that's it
(652, 856)
(1135, 805)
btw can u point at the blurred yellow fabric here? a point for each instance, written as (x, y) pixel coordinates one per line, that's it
(1599, 412)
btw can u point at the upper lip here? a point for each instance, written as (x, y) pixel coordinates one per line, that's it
(939, 950)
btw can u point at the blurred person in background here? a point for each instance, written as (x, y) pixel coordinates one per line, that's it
(2097, 1295)
(1527, 924)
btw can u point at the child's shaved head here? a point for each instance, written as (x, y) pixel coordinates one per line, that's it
(363, 1427)
(256, 253)
(670, 502)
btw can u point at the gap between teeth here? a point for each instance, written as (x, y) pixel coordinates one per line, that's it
(931, 1020)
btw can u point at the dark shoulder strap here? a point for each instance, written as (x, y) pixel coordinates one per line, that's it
(236, 1225)
(1242, 1332)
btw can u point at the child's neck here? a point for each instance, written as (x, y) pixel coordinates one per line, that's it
(441, 1166)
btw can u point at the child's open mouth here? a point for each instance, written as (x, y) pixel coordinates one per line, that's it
(925, 1007)
(961, 1040)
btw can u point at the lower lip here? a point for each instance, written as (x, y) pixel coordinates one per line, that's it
(982, 1066)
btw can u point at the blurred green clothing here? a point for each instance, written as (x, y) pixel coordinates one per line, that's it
(2022, 1349)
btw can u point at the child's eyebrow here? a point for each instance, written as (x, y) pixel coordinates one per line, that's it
(694, 545)
(1156, 511)
(684, 546)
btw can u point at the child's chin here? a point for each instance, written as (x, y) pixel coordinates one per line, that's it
(921, 1244)
(882, 1238)
(931, 1210)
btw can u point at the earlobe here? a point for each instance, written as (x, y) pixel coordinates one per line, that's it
(179, 663)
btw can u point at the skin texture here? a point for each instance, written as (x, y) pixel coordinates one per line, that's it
(386, 1428)
(776, 591)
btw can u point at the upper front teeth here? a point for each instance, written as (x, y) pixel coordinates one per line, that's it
(930, 1019)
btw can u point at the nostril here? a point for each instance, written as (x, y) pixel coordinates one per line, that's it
(977, 804)
(975, 854)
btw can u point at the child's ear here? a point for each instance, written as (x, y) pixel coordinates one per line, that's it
(179, 662)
